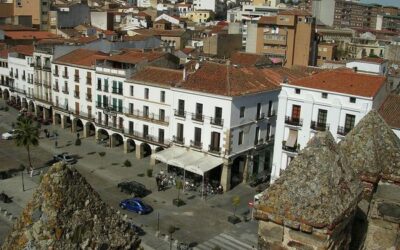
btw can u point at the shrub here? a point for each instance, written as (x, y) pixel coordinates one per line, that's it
(78, 142)
(127, 163)
(102, 154)
(149, 172)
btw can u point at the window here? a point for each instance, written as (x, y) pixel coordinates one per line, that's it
(322, 114)
(256, 135)
(181, 107)
(324, 95)
(161, 135)
(197, 136)
(268, 132)
(146, 111)
(105, 85)
(56, 70)
(76, 76)
(352, 99)
(240, 139)
(162, 96)
(120, 88)
(98, 83)
(130, 127)
(349, 122)
(297, 91)
(215, 139)
(131, 108)
(146, 93)
(258, 115)
(114, 87)
(296, 110)
(162, 114)
(179, 132)
(242, 109)
(145, 131)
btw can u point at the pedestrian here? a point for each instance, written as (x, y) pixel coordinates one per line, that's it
(158, 182)
(56, 143)
(77, 135)
(31, 172)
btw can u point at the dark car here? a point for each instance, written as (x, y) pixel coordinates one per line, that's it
(138, 230)
(133, 188)
(136, 205)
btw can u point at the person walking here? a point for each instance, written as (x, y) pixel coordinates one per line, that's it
(56, 143)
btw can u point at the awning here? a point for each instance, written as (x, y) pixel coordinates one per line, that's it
(204, 164)
(168, 154)
(185, 159)
(292, 139)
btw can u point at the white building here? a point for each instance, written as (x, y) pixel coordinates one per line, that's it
(333, 100)
(368, 65)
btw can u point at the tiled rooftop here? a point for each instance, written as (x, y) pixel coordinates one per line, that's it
(343, 81)
(134, 56)
(390, 111)
(29, 35)
(81, 57)
(158, 76)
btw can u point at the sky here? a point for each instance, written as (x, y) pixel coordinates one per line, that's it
(384, 2)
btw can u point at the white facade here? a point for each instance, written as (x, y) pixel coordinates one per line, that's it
(369, 67)
(205, 5)
(22, 73)
(302, 112)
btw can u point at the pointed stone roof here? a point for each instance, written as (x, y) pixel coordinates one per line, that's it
(317, 189)
(66, 213)
(372, 149)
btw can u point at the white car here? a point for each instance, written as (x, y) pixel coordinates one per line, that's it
(8, 135)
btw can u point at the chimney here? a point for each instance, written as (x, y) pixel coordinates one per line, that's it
(184, 73)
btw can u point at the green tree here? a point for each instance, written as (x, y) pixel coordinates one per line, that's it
(26, 135)
(235, 203)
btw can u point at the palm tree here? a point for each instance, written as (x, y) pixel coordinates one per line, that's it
(27, 135)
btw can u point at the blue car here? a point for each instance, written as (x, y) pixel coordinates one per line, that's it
(135, 205)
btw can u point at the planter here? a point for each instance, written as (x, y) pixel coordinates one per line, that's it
(234, 219)
(178, 203)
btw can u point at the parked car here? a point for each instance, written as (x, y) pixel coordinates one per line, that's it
(65, 157)
(136, 205)
(8, 135)
(138, 230)
(133, 188)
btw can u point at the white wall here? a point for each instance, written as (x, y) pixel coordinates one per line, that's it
(373, 68)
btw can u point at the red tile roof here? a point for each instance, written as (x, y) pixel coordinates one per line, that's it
(390, 111)
(267, 20)
(10, 27)
(247, 59)
(26, 50)
(81, 57)
(377, 60)
(295, 12)
(343, 81)
(212, 78)
(29, 35)
(158, 76)
(134, 56)
(155, 32)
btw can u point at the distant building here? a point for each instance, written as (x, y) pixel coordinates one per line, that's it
(69, 16)
(326, 52)
(222, 45)
(369, 65)
(390, 112)
(289, 36)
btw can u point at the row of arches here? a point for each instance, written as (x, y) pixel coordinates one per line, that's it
(17, 101)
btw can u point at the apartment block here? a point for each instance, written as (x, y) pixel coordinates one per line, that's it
(289, 36)
(334, 101)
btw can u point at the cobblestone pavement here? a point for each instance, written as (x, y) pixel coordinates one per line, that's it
(198, 221)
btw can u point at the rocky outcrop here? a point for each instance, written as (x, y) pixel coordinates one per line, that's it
(66, 213)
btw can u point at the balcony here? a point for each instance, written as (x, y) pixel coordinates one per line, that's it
(146, 116)
(88, 97)
(16, 75)
(76, 78)
(99, 105)
(217, 121)
(65, 75)
(343, 130)
(196, 144)
(55, 74)
(47, 67)
(269, 139)
(294, 121)
(65, 91)
(180, 113)
(214, 149)
(117, 91)
(37, 82)
(260, 117)
(106, 69)
(258, 142)
(319, 126)
(76, 94)
(38, 65)
(55, 88)
(198, 117)
(110, 125)
(178, 139)
(271, 114)
(294, 149)
(46, 84)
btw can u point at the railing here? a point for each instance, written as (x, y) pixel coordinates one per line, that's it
(319, 126)
(76, 94)
(46, 84)
(117, 91)
(217, 121)
(55, 73)
(258, 141)
(343, 130)
(112, 71)
(61, 107)
(65, 75)
(213, 149)
(38, 66)
(16, 75)
(196, 144)
(37, 82)
(148, 137)
(198, 117)
(55, 88)
(88, 97)
(65, 91)
(269, 138)
(110, 125)
(271, 114)
(47, 67)
(180, 113)
(178, 139)
(294, 149)
(99, 105)
(293, 121)
(260, 116)
(146, 116)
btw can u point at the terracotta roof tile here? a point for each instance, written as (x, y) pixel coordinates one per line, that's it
(158, 76)
(295, 12)
(26, 50)
(212, 78)
(267, 20)
(10, 27)
(343, 81)
(372, 60)
(390, 111)
(154, 32)
(133, 56)
(81, 57)
(29, 35)
(247, 59)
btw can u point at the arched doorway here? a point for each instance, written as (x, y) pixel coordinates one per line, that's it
(146, 149)
(68, 122)
(6, 94)
(116, 140)
(1, 93)
(90, 129)
(237, 170)
(103, 137)
(78, 124)
(57, 119)
(131, 145)
(31, 107)
(24, 103)
(18, 104)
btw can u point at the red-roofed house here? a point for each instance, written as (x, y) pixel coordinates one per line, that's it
(332, 100)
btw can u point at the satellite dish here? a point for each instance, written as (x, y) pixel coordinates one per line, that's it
(197, 66)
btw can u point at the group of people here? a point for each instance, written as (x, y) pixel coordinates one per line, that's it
(161, 182)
